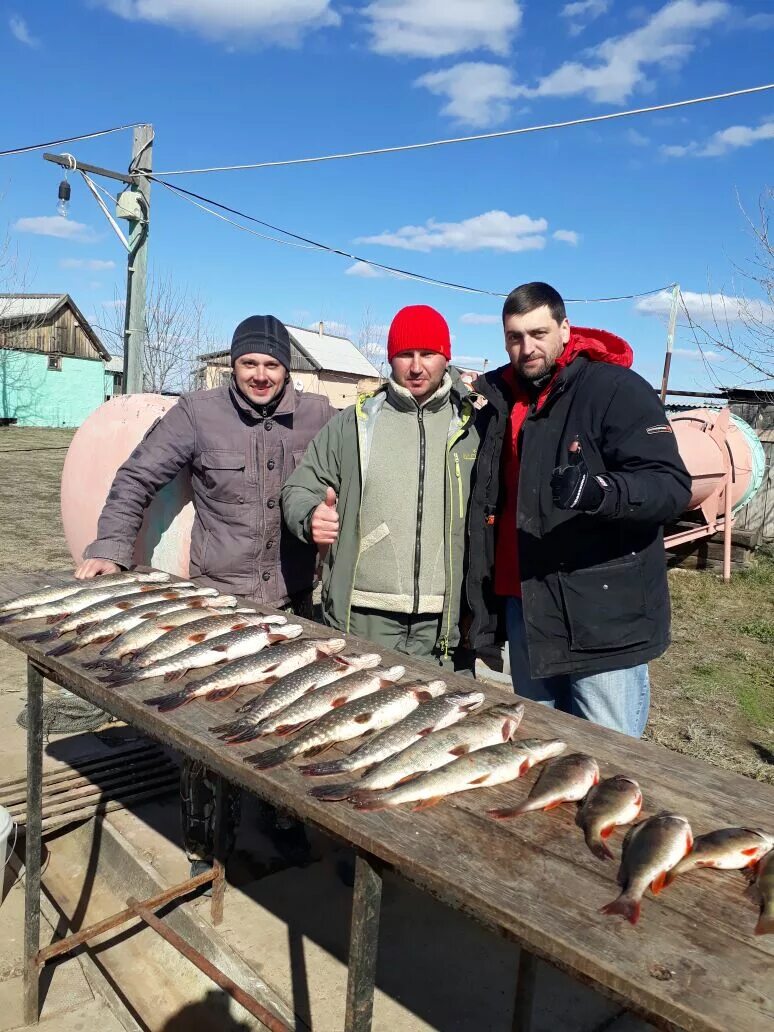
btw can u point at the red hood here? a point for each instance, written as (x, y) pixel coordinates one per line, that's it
(597, 346)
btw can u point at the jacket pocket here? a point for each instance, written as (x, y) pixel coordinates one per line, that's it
(606, 606)
(223, 475)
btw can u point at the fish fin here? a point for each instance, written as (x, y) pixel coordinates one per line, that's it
(481, 780)
(198, 637)
(509, 728)
(339, 702)
(607, 831)
(54, 619)
(265, 760)
(323, 770)
(102, 639)
(40, 636)
(175, 675)
(369, 802)
(669, 877)
(363, 718)
(553, 805)
(658, 883)
(503, 813)
(425, 804)
(523, 768)
(753, 851)
(765, 925)
(63, 648)
(288, 729)
(460, 750)
(124, 605)
(600, 851)
(240, 626)
(423, 696)
(165, 703)
(219, 694)
(628, 908)
(330, 793)
(318, 749)
(409, 777)
(220, 648)
(426, 731)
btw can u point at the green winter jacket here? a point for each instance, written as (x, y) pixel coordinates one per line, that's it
(338, 458)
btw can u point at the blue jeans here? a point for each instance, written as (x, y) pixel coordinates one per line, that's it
(618, 699)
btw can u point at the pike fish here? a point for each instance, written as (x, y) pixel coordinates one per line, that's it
(650, 850)
(490, 727)
(611, 803)
(289, 688)
(221, 649)
(130, 612)
(89, 596)
(353, 719)
(484, 768)
(728, 849)
(251, 669)
(430, 716)
(149, 630)
(216, 624)
(51, 593)
(762, 889)
(330, 696)
(566, 780)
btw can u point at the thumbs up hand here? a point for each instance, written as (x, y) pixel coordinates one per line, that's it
(573, 486)
(325, 520)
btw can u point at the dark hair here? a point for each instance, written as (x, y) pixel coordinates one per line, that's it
(530, 296)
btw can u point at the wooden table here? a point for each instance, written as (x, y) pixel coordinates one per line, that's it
(691, 963)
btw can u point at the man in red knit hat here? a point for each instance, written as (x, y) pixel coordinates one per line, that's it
(383, 492)
(577, 472)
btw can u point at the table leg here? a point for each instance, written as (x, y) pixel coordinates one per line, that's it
(363, 946)
(219, 860)
(33, 841)
(525, 991)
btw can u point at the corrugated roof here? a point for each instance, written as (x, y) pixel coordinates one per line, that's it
(334, 354)
(28, 306)
(115, 365)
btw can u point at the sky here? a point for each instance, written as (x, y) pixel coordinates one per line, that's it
(601, 210)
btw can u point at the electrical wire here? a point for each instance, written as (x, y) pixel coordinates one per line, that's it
(586, 120)
(68, 139)
(296, 240)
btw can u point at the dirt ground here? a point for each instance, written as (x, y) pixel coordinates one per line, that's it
(713, 691)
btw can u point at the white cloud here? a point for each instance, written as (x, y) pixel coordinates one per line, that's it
(364, 271)
(426, 28)
(232, 21)
(471, 361)
(492, 231)
(618, 66)
(581, 13)
(92, 264)
(723, 141)
(479, 319)
(637, 139)
(21, 32)
(332, 327)
(478, 93)
(700, 356)
(567, 236)
(725, 308)
(56, 226)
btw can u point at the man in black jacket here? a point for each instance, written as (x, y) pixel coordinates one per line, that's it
(577, 472)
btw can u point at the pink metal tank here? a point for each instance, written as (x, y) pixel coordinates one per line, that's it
(708, 441)
(102, 444)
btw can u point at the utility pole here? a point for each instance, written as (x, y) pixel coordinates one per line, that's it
(670, 340)
(132, 204)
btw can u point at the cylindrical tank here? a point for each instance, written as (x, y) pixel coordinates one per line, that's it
(102, 444)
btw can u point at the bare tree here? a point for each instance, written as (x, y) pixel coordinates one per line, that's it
(177, 328)
(370, 339)
(740, 325)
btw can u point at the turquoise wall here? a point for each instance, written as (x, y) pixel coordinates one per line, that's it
(38, 396)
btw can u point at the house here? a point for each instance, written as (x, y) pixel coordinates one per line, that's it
(52, 363)
(114, 377)
(320, 362)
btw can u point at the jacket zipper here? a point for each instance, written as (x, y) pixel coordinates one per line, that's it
(443, 641)
(458, 474)
(420, 504)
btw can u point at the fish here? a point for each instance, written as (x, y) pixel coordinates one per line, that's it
(221, 649)
(289, 688)
(56, 593)
(566, 780)
(250, 668)
(322, 700)
(762, 890)
(611, 803)
(728, 849)
(130, 612)
(215, 625)
(131, 642)
(431, 716)
(489, 727)
(484, 768)
(650, 850)
(353, 719)
(88, 596)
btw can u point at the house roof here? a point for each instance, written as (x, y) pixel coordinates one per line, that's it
(115, 365)
(14, 307)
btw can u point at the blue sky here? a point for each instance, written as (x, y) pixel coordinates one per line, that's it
(598, 210)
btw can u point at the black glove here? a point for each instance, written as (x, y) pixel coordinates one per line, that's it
(573, 485)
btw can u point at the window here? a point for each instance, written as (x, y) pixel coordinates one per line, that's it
(55, 363)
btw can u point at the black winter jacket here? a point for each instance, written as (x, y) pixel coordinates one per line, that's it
(594, 587)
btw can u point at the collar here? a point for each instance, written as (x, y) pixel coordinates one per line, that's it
(404, 401)
(285, 407)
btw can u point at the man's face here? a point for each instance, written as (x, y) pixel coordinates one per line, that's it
(534, 341)
(419, 371)
(259, 377)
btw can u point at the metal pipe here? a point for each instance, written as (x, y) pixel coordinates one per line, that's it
(33, 843)
(363, 946)
(236, 992)
(727, 522)
(96, 170)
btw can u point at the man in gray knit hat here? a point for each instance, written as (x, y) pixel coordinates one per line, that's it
(240, 443)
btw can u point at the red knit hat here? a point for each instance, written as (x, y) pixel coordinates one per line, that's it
(418, 328)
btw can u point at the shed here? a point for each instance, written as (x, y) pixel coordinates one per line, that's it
(52, 363)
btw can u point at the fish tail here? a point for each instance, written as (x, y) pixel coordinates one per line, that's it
(325, 769)
(625, 906)
(165, 703)
(765, 925)
(36, 636)
(333, 793)
(272, 758)
(122, 680)
(506, 812)
(370, 800)
(63, 648)
(228, 729)
(219, 694)
(97, 664)
(174, 675)
(599, 849)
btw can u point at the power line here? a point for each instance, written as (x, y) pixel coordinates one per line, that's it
(586, 120)
(67, 139)
(296, 240)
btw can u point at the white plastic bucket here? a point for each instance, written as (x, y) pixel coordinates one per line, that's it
(6, 826)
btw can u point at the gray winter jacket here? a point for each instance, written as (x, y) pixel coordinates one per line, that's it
(238, 462)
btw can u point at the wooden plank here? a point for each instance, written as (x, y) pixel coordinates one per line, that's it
(691, 963)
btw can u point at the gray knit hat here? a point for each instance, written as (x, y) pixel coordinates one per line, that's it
(262, 335)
